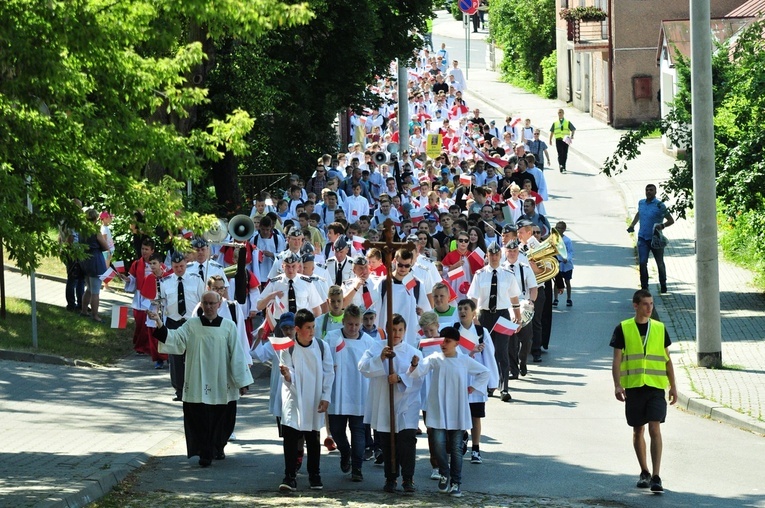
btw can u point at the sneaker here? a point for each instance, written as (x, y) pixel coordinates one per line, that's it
(524, 369)
(232, 437)
(569, 303)
(555, 303)
(345, 463)
(443, 484)
(356, 475)
(390, 486)
(475, 457)
(330, 444)
(663, 289)
(315, 483)
(379, 459)
(159, 365)
(288, 485)
(408, 486)
(537, 358)
(368, 454)
(435, 474)
(645, 480)
(455, 490)
(506, 396)
(656, 484)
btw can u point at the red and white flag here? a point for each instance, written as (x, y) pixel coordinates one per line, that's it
(119, 316)
(340, 346)
(108, 275)
(494, 161)
(417, 214)
(358, 242)
(452, 292)
(409, 282)
(511, 203)
(468, 340)
(457, 273)
(119, 266)
(505, 326)
(478, 255)
(465, 179)
(281, 343)
(431, 341)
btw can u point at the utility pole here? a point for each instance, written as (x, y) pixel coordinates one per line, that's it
(403, 108)
(708, 328)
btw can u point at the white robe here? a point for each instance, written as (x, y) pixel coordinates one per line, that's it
(311, 375)
(485, 358)
(406, 395)
(263, 353)
(216, 366)
(448, 406)
(404, 304)
(349, 391)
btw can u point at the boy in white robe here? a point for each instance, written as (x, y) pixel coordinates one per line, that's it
(349, 391)
(483, 352)
(430, 343)
(448, 407)
(307, 376)
(406, 403)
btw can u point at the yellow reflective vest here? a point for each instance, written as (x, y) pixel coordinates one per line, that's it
(561, 129)
(643, 365)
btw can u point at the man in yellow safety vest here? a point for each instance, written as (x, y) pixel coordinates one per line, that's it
(642, 370)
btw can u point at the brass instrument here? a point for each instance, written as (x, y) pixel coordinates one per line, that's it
(544, 264)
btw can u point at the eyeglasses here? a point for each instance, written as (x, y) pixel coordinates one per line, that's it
(537, 232)
(214, 288)
(463, 240)
(403, 265)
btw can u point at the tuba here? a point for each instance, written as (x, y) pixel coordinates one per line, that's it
(542, 257)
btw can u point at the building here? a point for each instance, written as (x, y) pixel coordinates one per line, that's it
(608, 68)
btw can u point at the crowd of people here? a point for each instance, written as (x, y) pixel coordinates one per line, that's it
(310, 294)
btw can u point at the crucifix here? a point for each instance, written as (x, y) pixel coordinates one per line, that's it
(388, 249)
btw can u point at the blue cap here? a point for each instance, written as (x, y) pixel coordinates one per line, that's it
(287, 319)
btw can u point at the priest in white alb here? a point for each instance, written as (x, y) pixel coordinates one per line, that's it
(217, 373)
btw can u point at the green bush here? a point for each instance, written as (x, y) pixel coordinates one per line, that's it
(742, 239)
(456, 12)
(549, 87)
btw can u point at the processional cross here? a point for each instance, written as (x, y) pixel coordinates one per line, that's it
(388, 249)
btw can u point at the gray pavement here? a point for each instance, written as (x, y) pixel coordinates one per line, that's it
(70, 433)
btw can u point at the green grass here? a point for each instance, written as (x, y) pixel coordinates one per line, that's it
(63, 333)
(654, 134)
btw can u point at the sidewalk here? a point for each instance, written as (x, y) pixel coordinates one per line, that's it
(735, 394)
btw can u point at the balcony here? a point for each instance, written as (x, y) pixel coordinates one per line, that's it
(588, 35)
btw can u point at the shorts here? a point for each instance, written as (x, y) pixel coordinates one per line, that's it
(567, 275)
(94, 285)
(477, 409)
(645, 404)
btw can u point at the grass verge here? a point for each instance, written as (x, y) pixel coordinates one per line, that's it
(63, 333)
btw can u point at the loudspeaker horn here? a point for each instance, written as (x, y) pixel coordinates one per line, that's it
(380, 158)
(392, 148)
(217, 233)
(241, 228)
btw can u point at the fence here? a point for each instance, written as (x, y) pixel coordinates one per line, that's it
(252, 185)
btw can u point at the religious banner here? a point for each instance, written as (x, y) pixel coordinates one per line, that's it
(434, 146)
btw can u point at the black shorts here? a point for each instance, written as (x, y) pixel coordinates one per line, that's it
(567, 275)
(477, 409)
(645, 404)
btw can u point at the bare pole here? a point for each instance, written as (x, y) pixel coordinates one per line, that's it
(708, 327)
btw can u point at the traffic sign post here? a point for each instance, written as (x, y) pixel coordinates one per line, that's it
(469, 7)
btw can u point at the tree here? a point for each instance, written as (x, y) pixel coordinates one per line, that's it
(295, 80)
(525, 30)
(84, 86)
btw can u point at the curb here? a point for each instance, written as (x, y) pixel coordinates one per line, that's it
(22, 356)
(100, 484)
(38, 275)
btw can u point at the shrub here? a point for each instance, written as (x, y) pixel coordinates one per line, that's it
(549, 87)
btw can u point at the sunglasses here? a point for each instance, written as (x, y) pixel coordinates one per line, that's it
(537, 232)
(402, 265)
(463, 240)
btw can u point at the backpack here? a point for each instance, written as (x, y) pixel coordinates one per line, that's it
(457, 325)
(276, 236)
